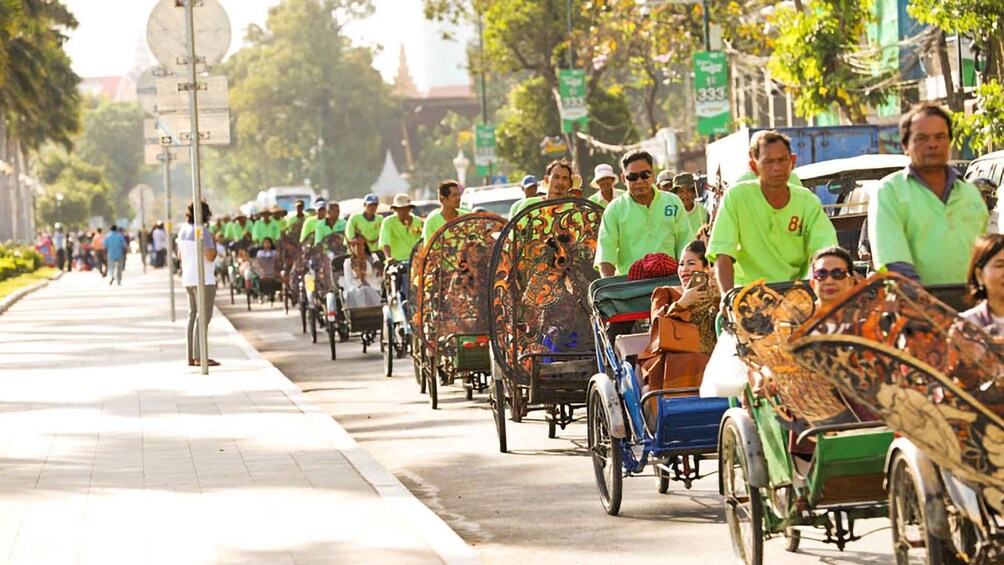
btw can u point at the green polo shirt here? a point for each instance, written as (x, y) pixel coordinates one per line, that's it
(629, 231)
(750, 175)
(237, 232)
(435, 220)
(288, 221)
(399, 237)
(322, 230)
(598, 197)
(907, 223)
(767, 243)
(698, 217)
(359, 225)
(522, 203)
(308, 227)
(262, 230)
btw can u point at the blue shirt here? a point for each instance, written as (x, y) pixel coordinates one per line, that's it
(115, 246)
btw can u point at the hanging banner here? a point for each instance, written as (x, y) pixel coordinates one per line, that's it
(711, 82)
(484, 149)
(572, 87)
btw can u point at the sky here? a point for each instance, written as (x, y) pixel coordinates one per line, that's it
(105, 42)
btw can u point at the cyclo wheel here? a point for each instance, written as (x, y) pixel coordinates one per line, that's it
(248, 294)
(285, 300)
(908, 515)
(313, 323)
(743, 506)
(330, 326)
(417, 359)
(498, 411)
(662, 477)
(303, 313)
(606, 454)
(432, 378)
(388, 352)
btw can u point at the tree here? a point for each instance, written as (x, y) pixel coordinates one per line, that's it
(982, 20)
(434, 159)
(108, 140)
(818, 56)
(85, 190)
(306, 104)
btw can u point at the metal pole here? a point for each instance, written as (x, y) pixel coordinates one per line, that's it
(484, 93)
(707, 43)
(193, 109)
(142, 227)
(170, 228)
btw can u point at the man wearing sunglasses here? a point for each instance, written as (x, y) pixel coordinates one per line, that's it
(645, 221)
(924, 220)
(768, 229)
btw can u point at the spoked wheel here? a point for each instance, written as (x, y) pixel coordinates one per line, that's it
(662, 477)
(606, 452)
(313, 324)
(743, 506)
(232, 301)
(285, 301)
(248, 294)
(518, 406)
(498, 411)
(389, 351)
(912, 542)
(432, 382)
(330, 326)
(303, 313)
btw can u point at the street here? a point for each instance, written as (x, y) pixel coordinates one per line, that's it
(536, 504)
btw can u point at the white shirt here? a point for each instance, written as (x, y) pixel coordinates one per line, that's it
(190, 253)
(160, 239)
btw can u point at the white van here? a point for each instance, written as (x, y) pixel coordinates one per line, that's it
(285, 197)
(496, 199)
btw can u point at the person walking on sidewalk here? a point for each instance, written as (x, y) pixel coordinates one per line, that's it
(115, 249)
(189, 252)
(98, 245)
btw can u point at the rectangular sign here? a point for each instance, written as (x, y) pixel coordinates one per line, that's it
(572, 87)
(171, 99)
(154, 154)
(711, 85)
(484, 149)
(176, 129)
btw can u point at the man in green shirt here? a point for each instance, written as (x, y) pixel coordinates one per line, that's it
(401, 231)
(449, 209)
(923, 221)
(266, 227)
(320, 212)
(239, 227)
(366, 224)
(557, 180)
(685, 186)
(331, 223)
(298, 217)
(604, 179)
(768, 229)
(643, 221)
(530, 187)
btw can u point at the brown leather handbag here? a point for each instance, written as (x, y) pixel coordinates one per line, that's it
(677, 336)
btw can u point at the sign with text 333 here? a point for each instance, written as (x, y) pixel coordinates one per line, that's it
(572, 87)
(711, 82)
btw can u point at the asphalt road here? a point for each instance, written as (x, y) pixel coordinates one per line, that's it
(536, 504)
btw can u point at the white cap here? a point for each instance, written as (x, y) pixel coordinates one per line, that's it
(401, 201)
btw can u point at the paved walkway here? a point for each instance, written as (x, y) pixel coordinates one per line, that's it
(113, 450)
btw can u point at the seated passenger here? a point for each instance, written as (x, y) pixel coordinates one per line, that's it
(265, 261)
(985, 283)
(694, 303)
(361, 282)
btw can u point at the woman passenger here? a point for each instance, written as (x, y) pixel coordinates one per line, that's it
(985, 283)
(832, 274)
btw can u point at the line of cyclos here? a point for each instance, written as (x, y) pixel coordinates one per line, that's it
(515, 309)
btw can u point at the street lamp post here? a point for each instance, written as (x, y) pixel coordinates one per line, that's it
(460, 163)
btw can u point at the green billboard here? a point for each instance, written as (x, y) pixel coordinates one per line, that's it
(572, 88)
(711, 85)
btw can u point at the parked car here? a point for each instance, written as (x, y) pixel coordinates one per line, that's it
(496, 199)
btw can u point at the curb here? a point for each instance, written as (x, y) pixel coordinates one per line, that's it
(12, 299)
(445, 542)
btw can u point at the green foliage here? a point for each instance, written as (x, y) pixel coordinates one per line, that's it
(16, 260)
(299, 81)
(983, 128)
(817, 56)
(109, 140)
(86, 192)
(38, 89)
(434, 159)
(531, 114)
(982, 20)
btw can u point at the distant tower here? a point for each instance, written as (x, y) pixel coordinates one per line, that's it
(142, 61)
(404, 85)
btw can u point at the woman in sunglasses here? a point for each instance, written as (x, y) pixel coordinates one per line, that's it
(985, 282)
(832, 274)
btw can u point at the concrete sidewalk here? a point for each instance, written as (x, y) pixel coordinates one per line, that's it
(113, 450)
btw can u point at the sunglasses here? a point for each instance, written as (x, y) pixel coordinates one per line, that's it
(635, 176)
(835, 274)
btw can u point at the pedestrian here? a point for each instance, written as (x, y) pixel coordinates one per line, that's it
(924, 220)
(115, 250)
(59, 239)
(159, 238)
(768, 228)
(642, 221)
(189, 252)
(98, 245)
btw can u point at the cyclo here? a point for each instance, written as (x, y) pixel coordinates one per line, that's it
(291, 267)
(317, 289)
(935, 379)
(795, 452)
(397, 331)
(450, 317)
(354, 306)
(541, 341)
(682, 429)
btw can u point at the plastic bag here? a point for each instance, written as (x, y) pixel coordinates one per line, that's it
(726, 374)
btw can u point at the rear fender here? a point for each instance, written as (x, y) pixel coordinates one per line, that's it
(607, 390)
(756, 464)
